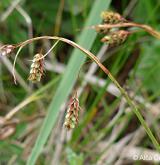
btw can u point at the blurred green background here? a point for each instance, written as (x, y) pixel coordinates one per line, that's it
(108, 131)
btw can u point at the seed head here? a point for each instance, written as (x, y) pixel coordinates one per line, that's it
(37, 68)
(101, 30)
(110, 17)
(71, 119)
(116, 38)
(6, 49)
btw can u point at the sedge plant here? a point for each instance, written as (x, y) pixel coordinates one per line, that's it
(110, 20)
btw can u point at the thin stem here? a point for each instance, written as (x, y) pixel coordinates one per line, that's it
(91, 56)
(55, 44)
(17, 108)
(14, 63)
(106, 71)
(147, 28)
(136, 111)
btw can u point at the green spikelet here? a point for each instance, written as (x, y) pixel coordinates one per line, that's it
(110, 17)
(116, 38)
(37, 68)
(71, 119)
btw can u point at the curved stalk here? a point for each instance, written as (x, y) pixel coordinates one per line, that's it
(106, 71)
(147, 28)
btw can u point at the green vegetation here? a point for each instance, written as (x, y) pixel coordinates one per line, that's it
(108, 131)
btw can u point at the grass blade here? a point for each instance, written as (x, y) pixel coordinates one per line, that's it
(86, 40)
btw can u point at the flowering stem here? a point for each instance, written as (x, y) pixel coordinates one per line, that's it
(106, 71)
(147, 28)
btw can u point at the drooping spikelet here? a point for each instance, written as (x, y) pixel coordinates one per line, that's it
(37, 68)
(71, 119)
(6, 49)
(110, 17)
(116, 38)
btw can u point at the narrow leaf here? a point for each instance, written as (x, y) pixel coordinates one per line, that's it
(86, 40)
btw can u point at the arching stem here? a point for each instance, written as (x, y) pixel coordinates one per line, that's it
(146, 28)
(106, 71)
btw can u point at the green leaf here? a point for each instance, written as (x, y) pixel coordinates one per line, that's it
(149, 68)
(86, 40)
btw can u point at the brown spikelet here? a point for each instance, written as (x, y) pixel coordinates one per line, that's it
(6, 49)
(116, 38)
(37, 68)
(7, 131)
(110, 17)
(71, 119)
(102, 30)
